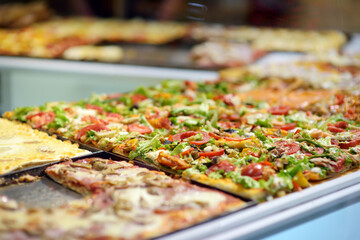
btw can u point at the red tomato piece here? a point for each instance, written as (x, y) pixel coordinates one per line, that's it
(334, 129)
(139, 128)
(224, 165)
(235, 139)
(287, 126)
(253, 170)
(93, 119)
(334, 142)
(114, 117)
(232, 117)
(279, 110)
(266, 163)
(287, 147)
(40, 119)
(296, 186)
(350, 144)
(100, 110)
(341, 124)
(211, 134)
(339, 164)
(228, 124)
(95, 127)
(340, 98)
(137, 98)
(181, 136)
(212, 154)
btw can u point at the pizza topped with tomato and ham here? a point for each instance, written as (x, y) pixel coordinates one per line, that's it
(121, 201)
(260, 143)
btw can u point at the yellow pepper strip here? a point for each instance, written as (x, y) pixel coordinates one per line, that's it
(300, 179)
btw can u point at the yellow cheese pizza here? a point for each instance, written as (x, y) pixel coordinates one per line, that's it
(22, 146)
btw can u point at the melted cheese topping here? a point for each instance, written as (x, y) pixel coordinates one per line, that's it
(21, 146)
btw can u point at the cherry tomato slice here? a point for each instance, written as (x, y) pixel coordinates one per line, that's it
(94, 127)
(334, 142)
(232, 117)
(279, 110)
(235, 139)
(181, 136)
(253, 170)
(100, 110)
(296, 186)
(212, 154)
(350, 144)
(114, 117)
(224, 165)
(334, 129)
(137, 98)
(340, 98)
(40, 119)
(266, 163)
(93, 119)
(287, 126)
(211, 134)
(339, 164)
(139, 128)
(287, 147)
(341, 124)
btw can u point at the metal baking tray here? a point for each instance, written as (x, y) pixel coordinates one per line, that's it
(47, 193)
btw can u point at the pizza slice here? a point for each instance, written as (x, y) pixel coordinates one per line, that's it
(21, 146)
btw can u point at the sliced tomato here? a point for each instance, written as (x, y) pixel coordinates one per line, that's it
(100, 110)
(266, 163)
(231, 117)
(350, 144)
(172, 161)
(139, 128)
(40, 119)
(340, 98)
(341, 124)
(287, 126)
(211, 134)
(160, 122)
(92, 119)
(136, 98)
(190, 85)
(212, 154)
(181, 136)
(339, 164)
(114, 117)
(287, 147)
(296, 186)
(225, 98)
(235, 139)
(279, 110)
(334, 142)
(334, 129)
(94, 127)
(224, 165)
(318, 151)
(253, 170)
(228, 124)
